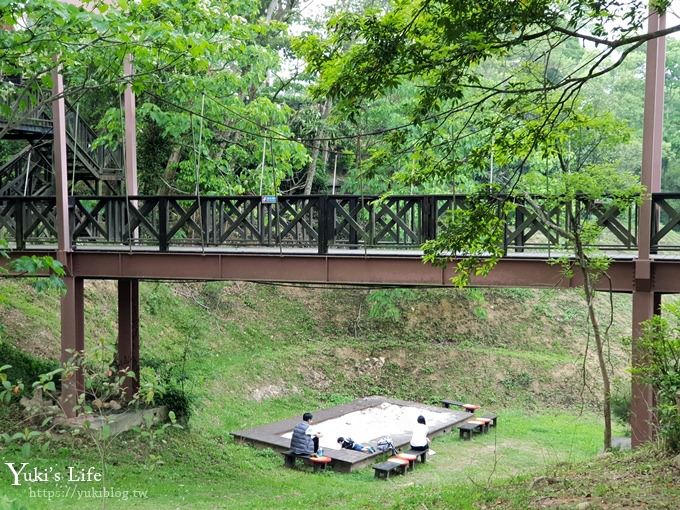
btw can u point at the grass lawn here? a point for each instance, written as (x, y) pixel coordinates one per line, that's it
(201, 470)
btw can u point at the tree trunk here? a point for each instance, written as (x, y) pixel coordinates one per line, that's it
(574, 235)
(170, 171)
(597, 333)
(311, 168)
(278, 10)
(589, 292)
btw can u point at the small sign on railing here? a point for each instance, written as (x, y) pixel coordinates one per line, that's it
(270, 199)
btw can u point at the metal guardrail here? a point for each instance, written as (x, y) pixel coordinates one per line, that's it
(310, 221)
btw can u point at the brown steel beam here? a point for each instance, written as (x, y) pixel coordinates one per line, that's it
(128, 333)
(72, 342)
(331, 269)
(645, 302)
(59, 154)
(130, 129)
(643, 421)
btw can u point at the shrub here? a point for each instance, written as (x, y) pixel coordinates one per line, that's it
(24, 367)
(172, 379)
(621, 399)
(661, 341)
(385, 305)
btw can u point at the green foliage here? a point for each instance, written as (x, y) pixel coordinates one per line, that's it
(172, 378)
(23, 366)
(440, 43)
(211, 293)
(177, 399)
(518, 381)
(661, 343)
(36, 265)
(385, 304)
(203, 78)
(473, 237)
(621, 400)
(151, 431)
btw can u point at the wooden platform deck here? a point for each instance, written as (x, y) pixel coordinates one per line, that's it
(271, 435)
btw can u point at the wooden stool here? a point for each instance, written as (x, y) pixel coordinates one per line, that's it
(466, 429)
(320, 463)
(399, 460)
(483, 423)
(492, 417)
(385, 469)
(410, 458)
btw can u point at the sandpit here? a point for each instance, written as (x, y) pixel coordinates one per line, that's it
(370, 424)
(365, 420)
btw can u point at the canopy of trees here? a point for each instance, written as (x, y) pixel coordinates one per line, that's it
(425, 96)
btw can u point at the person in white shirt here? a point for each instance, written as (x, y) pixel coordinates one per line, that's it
(419, 439)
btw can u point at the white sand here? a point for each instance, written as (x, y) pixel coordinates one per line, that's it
(373, 423)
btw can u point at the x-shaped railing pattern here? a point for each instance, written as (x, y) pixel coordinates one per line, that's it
(315, 221)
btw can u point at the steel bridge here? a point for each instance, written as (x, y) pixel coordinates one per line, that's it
(336, 239)
(330, 226)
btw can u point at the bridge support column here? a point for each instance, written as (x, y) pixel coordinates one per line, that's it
(643, 419)
(72, 341)
(646, 302)
(128, 332)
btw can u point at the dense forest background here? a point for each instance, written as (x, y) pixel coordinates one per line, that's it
(227, 104)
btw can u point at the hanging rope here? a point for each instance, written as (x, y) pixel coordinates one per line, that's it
(335, 172)
(198, 173)
(275, 191)
(493, 142)
(264, 153)
(28, 171)
(75, 149)
(363, 200)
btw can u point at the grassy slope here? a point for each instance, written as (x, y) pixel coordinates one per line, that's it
(513, 350)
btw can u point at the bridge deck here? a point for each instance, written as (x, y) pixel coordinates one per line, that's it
(343, 269)
(339, 239)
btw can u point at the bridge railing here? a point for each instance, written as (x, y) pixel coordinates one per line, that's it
(666, 223)
(316, 222)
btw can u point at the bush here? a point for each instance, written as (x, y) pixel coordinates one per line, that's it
(621, 399)
(661, 342)
(385, 305)
(177, 400)
(175, 394)
(25, 367)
